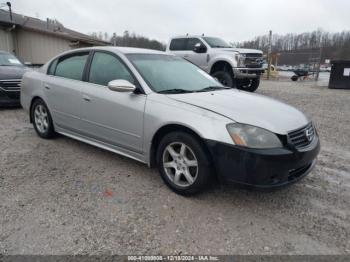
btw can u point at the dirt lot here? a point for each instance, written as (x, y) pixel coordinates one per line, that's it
(64, 197)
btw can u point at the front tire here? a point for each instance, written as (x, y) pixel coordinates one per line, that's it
(250, 85)
(183, 163)
(42, 120)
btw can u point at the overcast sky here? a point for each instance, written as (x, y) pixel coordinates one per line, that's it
(234, 20)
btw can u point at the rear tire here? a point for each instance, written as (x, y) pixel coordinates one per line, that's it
(250, 85)
(183, 163)
(42, 120)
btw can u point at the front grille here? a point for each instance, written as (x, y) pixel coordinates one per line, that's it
(302, 137)
(253, 60)
(10, 84)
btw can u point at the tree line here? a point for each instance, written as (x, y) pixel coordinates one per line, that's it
(129, 39)
(305, 45)
(293, 48)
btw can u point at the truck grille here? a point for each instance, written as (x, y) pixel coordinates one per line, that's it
(302, 137)
(253, 60)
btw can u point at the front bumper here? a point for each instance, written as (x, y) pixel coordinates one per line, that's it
(263, 168)
(9, 98)
(245, 72)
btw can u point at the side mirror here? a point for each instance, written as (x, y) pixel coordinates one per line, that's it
(121, 85)
(199, 48)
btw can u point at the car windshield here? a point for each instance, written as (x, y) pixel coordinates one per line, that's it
(216, 42)
(171, 74)
(7, 59)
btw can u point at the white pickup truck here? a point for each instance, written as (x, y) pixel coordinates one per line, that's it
(233, 67)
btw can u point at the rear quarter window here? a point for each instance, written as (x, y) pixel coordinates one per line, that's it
(52, 67)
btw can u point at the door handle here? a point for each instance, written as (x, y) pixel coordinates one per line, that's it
(86, 98)
(186, 55)
(47, 87)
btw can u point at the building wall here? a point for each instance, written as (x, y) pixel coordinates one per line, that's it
(6, 40)
(38, 48)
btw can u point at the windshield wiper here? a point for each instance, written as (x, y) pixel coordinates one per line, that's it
(212, 88)
(174, 91)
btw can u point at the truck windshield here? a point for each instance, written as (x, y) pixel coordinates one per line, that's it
(7, 59)
(216, 42)
(171, 74)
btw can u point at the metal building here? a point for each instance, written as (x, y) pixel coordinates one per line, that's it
(36, 41)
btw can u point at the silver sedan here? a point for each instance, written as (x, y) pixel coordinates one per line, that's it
(166, 112)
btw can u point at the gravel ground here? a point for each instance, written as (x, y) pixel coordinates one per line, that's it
(65, 197)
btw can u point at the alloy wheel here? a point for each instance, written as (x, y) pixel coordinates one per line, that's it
(180, 164)
(41, 118)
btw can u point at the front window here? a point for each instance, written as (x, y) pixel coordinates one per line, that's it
(7, 59)
(192, 42)
(216, 42)
(106, 67)
(168, 73)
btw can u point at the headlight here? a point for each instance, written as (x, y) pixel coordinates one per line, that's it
(240, 60)
(252, 136)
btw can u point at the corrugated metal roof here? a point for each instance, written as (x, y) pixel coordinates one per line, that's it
(47, 27)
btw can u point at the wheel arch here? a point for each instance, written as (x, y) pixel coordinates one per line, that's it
(219, 64)
(166, 129)
(31, 105)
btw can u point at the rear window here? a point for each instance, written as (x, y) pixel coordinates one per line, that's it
(72, 66)
(178, 44)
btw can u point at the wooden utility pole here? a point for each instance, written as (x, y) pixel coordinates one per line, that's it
(269, 56)
(319, 60)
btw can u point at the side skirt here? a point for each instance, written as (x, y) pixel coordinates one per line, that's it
(99, 144)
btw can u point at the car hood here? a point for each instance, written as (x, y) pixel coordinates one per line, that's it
(12, 72)
(247, 108)
(242, 50)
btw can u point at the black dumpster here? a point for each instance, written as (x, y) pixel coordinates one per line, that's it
(340, 74)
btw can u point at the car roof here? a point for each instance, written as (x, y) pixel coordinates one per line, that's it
(114, 49)
(120, 50)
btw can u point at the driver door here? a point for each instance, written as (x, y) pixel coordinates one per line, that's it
(199, 59)
(113, 118)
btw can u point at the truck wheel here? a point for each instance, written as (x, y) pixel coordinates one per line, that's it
(249, 85)
(294, 78)
(225, 77)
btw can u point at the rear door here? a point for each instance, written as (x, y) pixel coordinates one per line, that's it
(114, 118)
(178, 47)
(63, 87)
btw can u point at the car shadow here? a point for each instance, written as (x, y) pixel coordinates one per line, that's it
(230, 195)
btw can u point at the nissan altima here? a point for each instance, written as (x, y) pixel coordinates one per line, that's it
(165, 112)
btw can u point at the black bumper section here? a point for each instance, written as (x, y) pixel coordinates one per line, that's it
(9, 98)
(263, 168)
